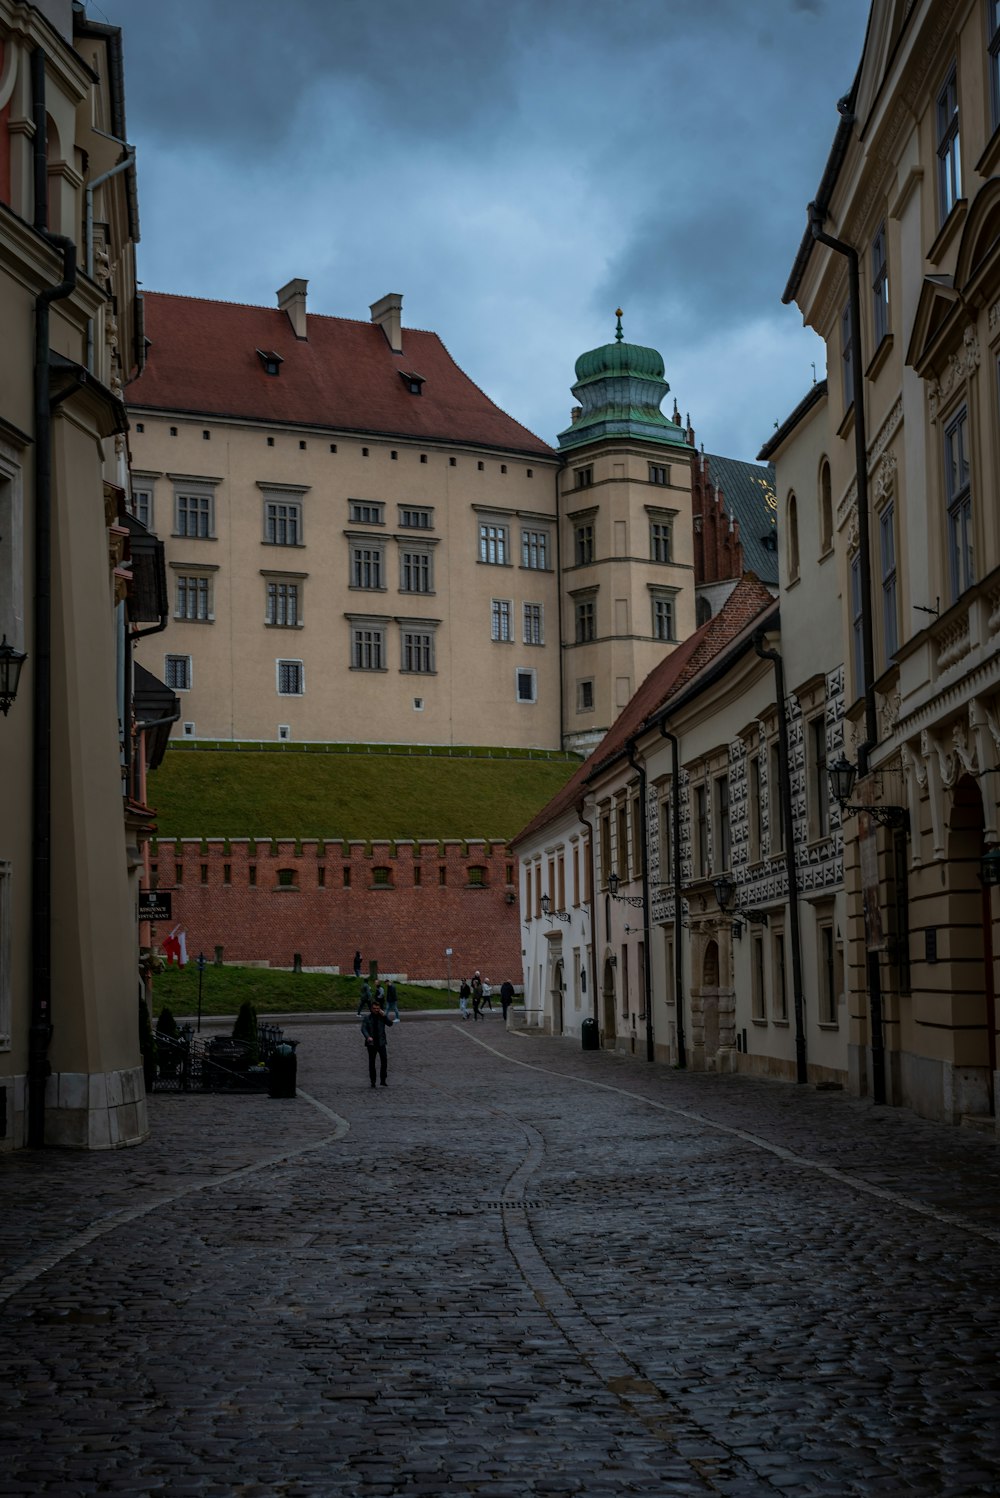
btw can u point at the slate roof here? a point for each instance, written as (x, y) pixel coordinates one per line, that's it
(744, 609)
(203, 360)
(749, 494)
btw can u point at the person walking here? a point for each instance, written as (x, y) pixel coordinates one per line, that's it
(375, 1028)
(487, 995)
(364, 998)
(506, 997)
(463, 998)
(477, 994)
(357, 964)
(391, 1001)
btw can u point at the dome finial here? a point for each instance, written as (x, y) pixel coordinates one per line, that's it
(619, 335)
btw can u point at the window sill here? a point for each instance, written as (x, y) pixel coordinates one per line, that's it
(360, 588)
(826, 1024)
(949, 229)
(847, 425)
(286, 889)
(793, 582)
(270, 624)
(879, 357)
(825, 554)
(180, 619)
(181, 536)
(381, 887)
(371, 670)
(784, 1023)
(760, 1020)
(286, 545)
(990, 158)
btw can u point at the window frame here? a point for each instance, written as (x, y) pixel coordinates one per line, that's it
(948, 144)
(417, 649)
(847, 357)
(286, 668)
(661, 539)
(416, 517)
(367, 560)
(502, 621)
(366, 512)
(535, 549)
(890, 602)
(958, 505)
(416, 570)
(203, 501)
(494, 544)
(819, 782)
(880, 285)
(583, 543)
(368, 639)
(993, 53)
(533, 623)
(192, 581)
(171, 662)
(585, 619)
(857, 623)
(664, 615)
(722, 844)
(525, 674)
(275, 605)
(282, 522)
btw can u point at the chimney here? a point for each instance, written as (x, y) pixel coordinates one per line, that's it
(388, 313)
(292, 299)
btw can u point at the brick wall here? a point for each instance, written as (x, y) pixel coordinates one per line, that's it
(267, 901)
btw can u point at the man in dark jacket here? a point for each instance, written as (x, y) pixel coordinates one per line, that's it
(374, 1028)
(506, 997)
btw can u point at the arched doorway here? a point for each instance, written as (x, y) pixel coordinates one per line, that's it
(710, 1001)
(557, 998)
(974, 1057)
(608, 1002)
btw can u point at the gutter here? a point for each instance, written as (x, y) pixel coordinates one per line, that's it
(40, 1026)
(593, 944)
(788, 824)
(824, 192)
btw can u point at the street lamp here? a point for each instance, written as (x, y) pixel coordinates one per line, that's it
(11, 661)
(636, 901)
(725, 889)
(842, 779)
(553, 915)
(989, 867)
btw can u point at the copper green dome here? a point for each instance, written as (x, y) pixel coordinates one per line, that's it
(620, 387)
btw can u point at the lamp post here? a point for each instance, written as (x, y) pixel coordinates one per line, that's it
(553, 915)
(636, 901)
(11, 661)
(842, 779)
(725, 889)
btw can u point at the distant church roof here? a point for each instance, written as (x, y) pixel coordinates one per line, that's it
(224, 359)
(620, 387)
(749, 496)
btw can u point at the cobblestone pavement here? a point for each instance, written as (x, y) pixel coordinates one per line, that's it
(520, 1269)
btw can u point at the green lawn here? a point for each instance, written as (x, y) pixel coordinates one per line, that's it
(224, 989)
(373, 791)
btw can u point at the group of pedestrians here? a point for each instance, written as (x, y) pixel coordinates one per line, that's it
(479, 990)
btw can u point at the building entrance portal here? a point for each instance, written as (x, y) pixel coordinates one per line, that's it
(608, 1004)
(972, 976)
(557, 998)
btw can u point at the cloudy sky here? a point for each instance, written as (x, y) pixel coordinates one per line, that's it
(516, 168)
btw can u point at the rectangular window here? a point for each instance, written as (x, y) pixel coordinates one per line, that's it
(415, 572)
(666, 815)
(993, 27)
(663, 618)
(282, 523)
(756, 822)
(701, 830)
(526, 685)
(418, 651)
(857, 632)
(586, 620)
(819, 799)
(535, 550)
(757, 979)
(847, 357)
(585, 695)
(621, 848)
(413, 517)
(722, 839)
(533, 632)
(194, 598)
(583, 478)
(177, 673)
(583, 538)
(661, 543)
(365, 512)
(366, 567)
(887, 547)
(291, 678)
(283, 604)
(880, 287)
(500, 619)
(780, 1006)
(194, 515)
(776, 820)
(958, 494)
(605, 847)
(142, 506)
(948, 146)
(658, 474)
(368, 647)
(493, 545)
(827, 976)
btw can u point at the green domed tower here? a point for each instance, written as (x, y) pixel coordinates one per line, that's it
(626, 534)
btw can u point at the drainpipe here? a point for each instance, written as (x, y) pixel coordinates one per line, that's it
(675, 806)
(593, 944)
(40, 1028)
(88, 236)
(816, 220)
(640, 768)
(563, 717)
(801, 1070)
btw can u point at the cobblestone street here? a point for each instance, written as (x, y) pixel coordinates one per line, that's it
(520, 1269)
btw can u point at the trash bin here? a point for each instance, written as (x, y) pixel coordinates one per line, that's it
(590, 1035)
(282, 1069)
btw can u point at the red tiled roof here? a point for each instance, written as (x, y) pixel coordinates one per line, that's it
(745, 606)
(203, 359)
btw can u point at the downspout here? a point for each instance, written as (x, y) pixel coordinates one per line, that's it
(563, 716)
(40, 1028)
(816, 219)
(675, 806)
(801, 1069)
(593, 944)
(136, 778)
(640, 769)
(88, 235)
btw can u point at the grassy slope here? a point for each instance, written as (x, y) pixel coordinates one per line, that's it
(229, 793)
(270, 991)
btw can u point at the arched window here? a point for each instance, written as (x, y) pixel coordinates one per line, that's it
(792, 512)
(825, 508)
(703, 611)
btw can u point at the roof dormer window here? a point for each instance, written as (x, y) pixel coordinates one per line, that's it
(414, 382)
(271, 361)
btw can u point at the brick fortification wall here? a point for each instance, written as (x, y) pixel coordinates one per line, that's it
(401, 904)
